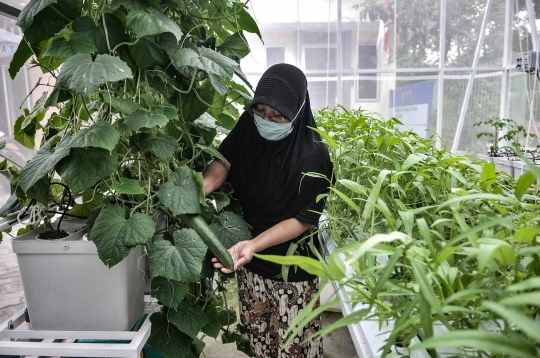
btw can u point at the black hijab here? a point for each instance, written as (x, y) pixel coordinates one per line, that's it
(267, 176)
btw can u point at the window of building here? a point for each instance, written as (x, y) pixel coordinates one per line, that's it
(320, 58)
(274, 55)
(366, 87)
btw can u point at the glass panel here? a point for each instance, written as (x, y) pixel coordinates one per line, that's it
(274, 55)
(414, 102)
(417, 33)
(12, 99)
(18, 4)
(484, 104)
(493, 48)
(463, 24)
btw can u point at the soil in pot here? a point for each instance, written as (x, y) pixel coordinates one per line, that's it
(52, 235)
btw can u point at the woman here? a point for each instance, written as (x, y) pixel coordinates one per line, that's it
(268, 153)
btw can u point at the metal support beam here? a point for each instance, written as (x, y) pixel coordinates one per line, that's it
(339, 55)
(532, 24)
(9, 11)
(505, 85)
(468, 92)
(442, 65)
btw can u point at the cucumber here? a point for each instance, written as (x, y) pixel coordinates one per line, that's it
(197, 223)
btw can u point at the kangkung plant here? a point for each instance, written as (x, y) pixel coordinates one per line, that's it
(436, 245)
(138, 92)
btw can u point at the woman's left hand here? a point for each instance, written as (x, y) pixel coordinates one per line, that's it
(241, 253)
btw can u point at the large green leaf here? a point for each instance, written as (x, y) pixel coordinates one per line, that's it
(34, 7)
(10, 206)
(218, 84)
(40, 191)
(124, 106)
(167, 340)
(90, 200)
(246, 23)
(115, 31)
(114, 235)
(152, 22)
(2, 144)
(205, 59)
(143, 119)
(127, 186)
(147, 53)
(181, 261)
(191, 107)
(21, 55)
(84, 76)
(162, 146)
(480, 340)
(26, 137)
(72, 44)
(169, 292)
(212, 151)
(87, 166)
(189, 318)
(213, 327)
(100, 135)
(42, 163)
(231, 229)
(234, 45)
(182, 195)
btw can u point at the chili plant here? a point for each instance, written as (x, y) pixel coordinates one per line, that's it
(138, 92)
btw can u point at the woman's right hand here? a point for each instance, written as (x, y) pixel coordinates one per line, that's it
(241, 253)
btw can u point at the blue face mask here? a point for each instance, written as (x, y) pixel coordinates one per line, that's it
(272, 130)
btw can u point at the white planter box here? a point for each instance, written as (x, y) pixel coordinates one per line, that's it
(68, 288)
(521, 168)
(504, 164)
(367, 337)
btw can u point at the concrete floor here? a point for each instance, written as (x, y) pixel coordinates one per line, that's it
(337, 344)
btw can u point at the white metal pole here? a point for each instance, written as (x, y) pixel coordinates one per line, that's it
(6, 98)
(468, 91)
(532, 24)
(505, 86)
(339, 55)
(442, 65)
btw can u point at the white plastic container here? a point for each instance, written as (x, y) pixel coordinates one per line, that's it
(68, 288)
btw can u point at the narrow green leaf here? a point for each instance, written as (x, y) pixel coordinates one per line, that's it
(526, 234)
(480, 340)
(529, 298)
(524, 182)
(307, 264)
(326, 137)
(526, 324)
(411, 160)
(528, 284)
(346, 199)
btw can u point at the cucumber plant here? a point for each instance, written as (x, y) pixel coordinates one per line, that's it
(137, 92)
